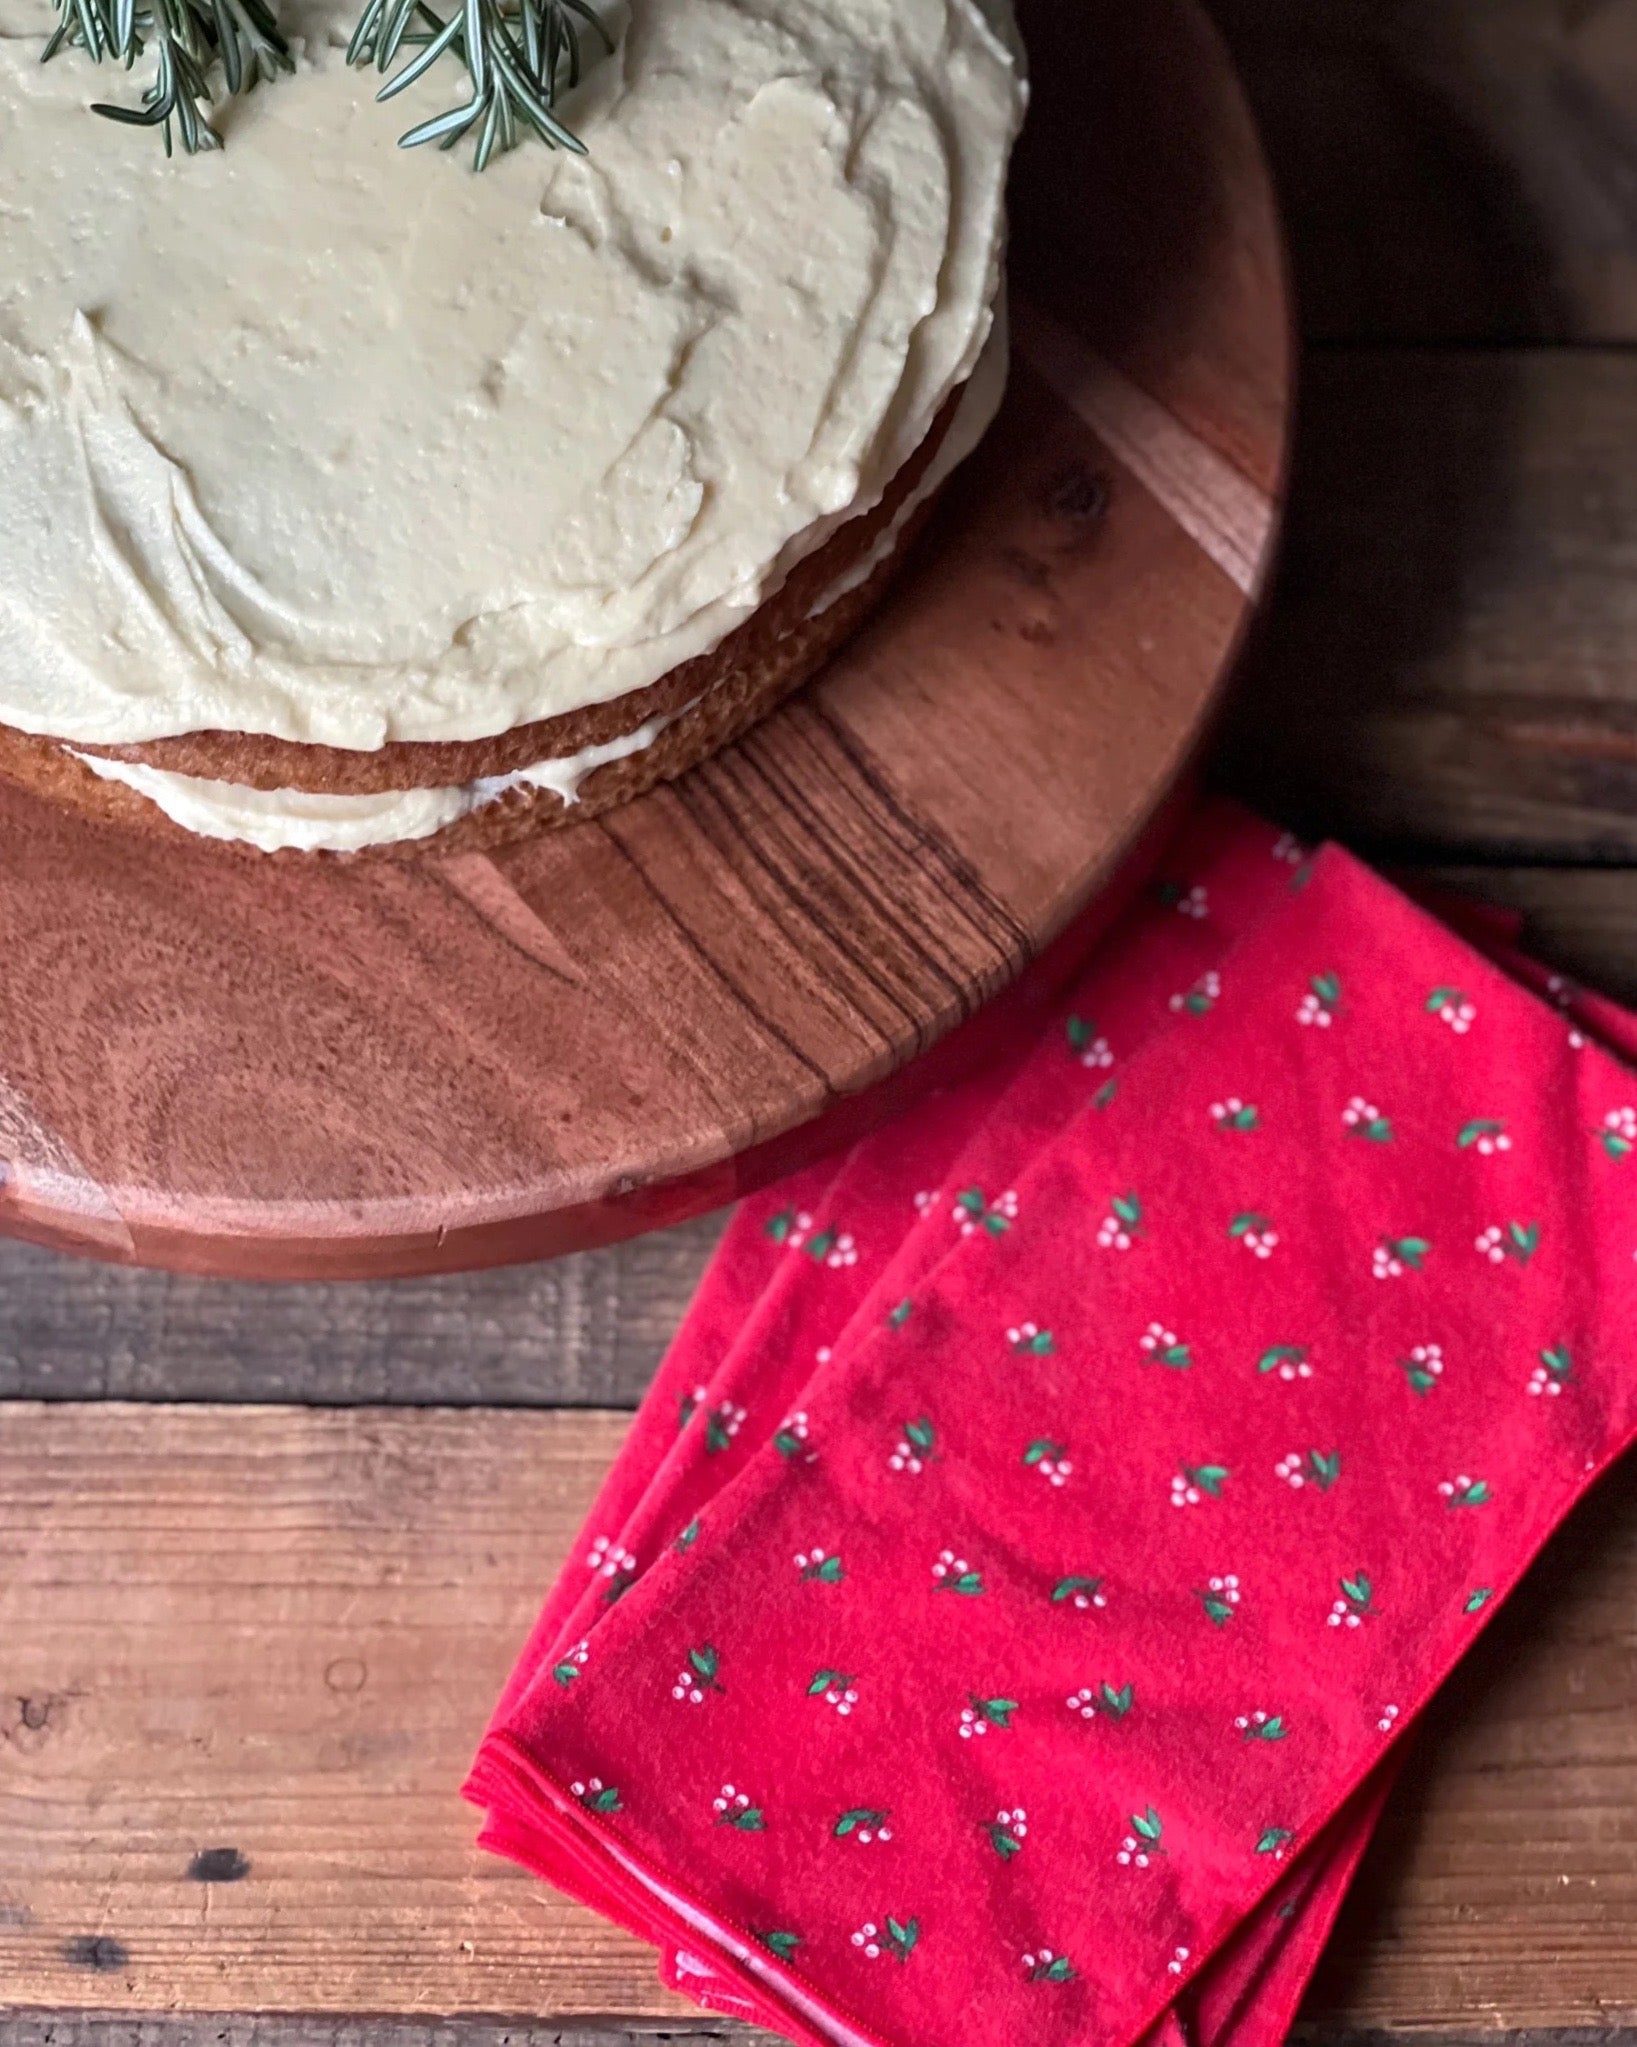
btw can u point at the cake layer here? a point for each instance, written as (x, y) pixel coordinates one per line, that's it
(341, 445)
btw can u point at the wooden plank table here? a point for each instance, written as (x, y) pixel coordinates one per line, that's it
(226, 1779)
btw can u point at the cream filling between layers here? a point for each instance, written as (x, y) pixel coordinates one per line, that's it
(315, 821)
(328, 441)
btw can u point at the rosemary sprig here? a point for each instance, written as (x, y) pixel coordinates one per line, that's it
(188, 37)
(518, 54)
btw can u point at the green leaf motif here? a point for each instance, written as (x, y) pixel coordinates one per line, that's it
(1421, 1380)
(971, 1199)
(1149, 1825)
(1177, 1356)
(1058, 1970)
(921, 1433)
(1480, 1596)
(1004, 1844)
(901, 1314)
(1614, 1144)
(827, 1572)
(1272, 1840)
(787, 1444)
(1522, 1241)
(689, 1536)
(1444, 998)
(1324, 1470)
(1210, 1478)
(1080, 1032)
(998, 1712)
(1116, 1700)
(1242, 1225)
(1357, 1591)
(1105, 1094)
(716, 1437)
(1327, 987)
(1557, 1361)
(706, 1663)
(1281, 1354)
(1411, 1251)
(1475, 1495)
(1040, 1344)
(1041, 1449)
(969, 1584)
(565, 1673)
(1218, 1611)
(606, 1800)
(1246, 1117)
(1378, 1130)
(1066, 1588)
(748, 1819)
(686, 1408)
(784, 1945)
(903, 1936)
(827, 1681)
(1128, 1208)
(1480, 1126)
(1272, 1729)
(858, 1816)
(819, 1247)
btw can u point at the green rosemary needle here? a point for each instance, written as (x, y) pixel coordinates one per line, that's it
(188, 37)
(518, 54)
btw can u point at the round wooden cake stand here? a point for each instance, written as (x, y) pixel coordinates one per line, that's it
(333, 1069)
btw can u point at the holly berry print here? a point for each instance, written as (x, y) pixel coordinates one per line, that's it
(973, 1213)
(699, 1680)
(1231, 1113)
(1196, 1482)
(1143, 1842)
(1255, 1232)
(733, 1808)
(1464, 1491)
(1354, 1604)
(1007, 1831)
(1319, 1006)
(1287, 1361)
(1261, 1726)
(1042, 1965)
(573, 1661)
(1030, 1338)
(1050, 1460)
(595, 1795)
(1087, 1043)
(1363, 1119)
(1516, 1241)
(1162, 1346)
(1424, 1367)
(955, 1574)
(1309, 1467)
(1394, 1256)
(915, 1448)
(818, 1566)
(1485, 1135)
(863, 1824)
(779, 1942)
(1219, 1597)
(1551, 1375)
(1080, 1593)
(722, 1424)
(1451, 1006)
(896, 1937)
(790, 1438)
(1201, 998)
(979, 1715)
(836, 1688)
(1110, 1702)
(1121, 1227)
(1618, 1136)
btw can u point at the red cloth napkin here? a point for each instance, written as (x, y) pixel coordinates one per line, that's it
(1105, 1317)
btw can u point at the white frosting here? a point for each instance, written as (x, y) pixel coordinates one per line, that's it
(315, 821)
(334, 442)
(321, 821)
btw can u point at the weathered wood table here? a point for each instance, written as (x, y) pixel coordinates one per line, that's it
(241, 1667)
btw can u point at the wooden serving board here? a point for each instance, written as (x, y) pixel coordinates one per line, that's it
(364, 1069)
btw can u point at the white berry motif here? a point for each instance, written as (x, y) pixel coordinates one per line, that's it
(1143, 1842)
(1007, 1831)
(1288, 848)
(1388, 1715)
(820, 1565)
(914, 1448)
(1552, 1373)
(1319, 1005)
(978, 1715)
(1396, 1255)
(1080, 1593)
(1174, 1967)
(1363, 1119)
(1049, 1460)
(608, 1560)
(1261, 1726)
(1162, 1345)
(1485, 1135)
(1219, 1598)
(790, 1438)
(734, 1809)
(1309, 1467)
(722, 1424)
(866, 1939)
(972, 1212)
(695, 1684)
(1201, 997)
(925, 1199)
(1121, 1227)
(593, 1793)
(1194, 903)
(1088, 1043)
(1032, 1339)
(835, 1688)
(1042, 1965)
(1464, 1491)
(1619, 1133)
(572, 1662)
(1113, 1702)
(1354, 1604)
(1256, 1233)
(1286, 1361)
(955, 1574)
(1424, 1366)
(1516, 1241)
(1233, 1113)
(1453, 1008)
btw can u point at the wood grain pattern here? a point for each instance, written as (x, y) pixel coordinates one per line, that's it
(278, 1634)
(1449, 660)
(352, 1069)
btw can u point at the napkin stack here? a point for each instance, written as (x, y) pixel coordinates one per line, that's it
(1006, 1611)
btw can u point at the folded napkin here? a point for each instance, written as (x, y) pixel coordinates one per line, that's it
(1092, 1674)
